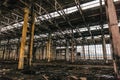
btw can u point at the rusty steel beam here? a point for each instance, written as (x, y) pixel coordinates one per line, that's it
(114, 32)
(113, 26)
(23, 40)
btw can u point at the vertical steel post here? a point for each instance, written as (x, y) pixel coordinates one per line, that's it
(49, 48)
(39, 53)
(114, 31)
(54, 50)
(88, 52)
(9, 52)
(113, 26)
(42, 51)
(72, 54)
(95, 51)
(3, 55)
(67, 51)
(17, 49)
(83, 51)
(46, 56)
(31, 39)
(23, 40)
(104, 48)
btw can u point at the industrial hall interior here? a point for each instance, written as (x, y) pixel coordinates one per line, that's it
(59, 40)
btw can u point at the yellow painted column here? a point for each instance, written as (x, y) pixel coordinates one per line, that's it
(46, 55)
(23, 39)
(49, 48)
(31, 40)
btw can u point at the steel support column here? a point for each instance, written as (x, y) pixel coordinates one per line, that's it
(104, 48)
(9, 52)
(49, 48)
(83, 51)
(42, 52)
(88, 52)
(17, 50)
(114, 31)
(23, 39)
(95, 51)
(46, 56)
(31, 40)
(113, 27)
(3, 54)
(72, 53)
(54, 52)
(67, 51)
(34, 51)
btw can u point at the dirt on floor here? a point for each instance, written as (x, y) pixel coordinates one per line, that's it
(57, 70)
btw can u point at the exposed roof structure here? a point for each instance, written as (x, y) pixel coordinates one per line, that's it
(83, 19)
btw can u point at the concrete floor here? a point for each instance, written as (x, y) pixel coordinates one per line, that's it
(57, 70)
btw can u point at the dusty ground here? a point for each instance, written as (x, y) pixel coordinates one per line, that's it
(57, 70)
